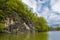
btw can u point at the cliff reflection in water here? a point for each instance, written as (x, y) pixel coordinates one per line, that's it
(24, 36)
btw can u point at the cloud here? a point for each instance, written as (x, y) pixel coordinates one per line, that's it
(30, 3)
(49, 9)
(56, 7)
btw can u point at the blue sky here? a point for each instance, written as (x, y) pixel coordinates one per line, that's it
(49, 9)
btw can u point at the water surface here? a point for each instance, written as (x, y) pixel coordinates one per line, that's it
(54, 35)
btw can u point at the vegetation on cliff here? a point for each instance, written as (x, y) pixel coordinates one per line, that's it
(10, 7)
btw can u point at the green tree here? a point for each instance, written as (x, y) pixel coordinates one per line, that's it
(41, 24)
(8, 7)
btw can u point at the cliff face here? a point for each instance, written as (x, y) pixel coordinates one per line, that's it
(15, 24)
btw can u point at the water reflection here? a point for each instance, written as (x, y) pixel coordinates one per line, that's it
(41, 36)
(54, 35)
(24, 36)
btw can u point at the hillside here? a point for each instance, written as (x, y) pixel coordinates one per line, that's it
(16, 15)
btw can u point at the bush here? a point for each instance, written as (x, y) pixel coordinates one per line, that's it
(1, 27)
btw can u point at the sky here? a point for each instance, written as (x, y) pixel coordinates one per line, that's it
(49, 9)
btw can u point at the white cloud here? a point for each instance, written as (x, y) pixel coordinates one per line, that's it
(56, 7)
(30, 3)
(52, 16)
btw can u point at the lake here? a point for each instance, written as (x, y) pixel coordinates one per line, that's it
(53, 35)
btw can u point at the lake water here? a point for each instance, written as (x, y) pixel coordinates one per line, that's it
(54, 35)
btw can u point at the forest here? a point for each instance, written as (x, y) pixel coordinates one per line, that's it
(17, 10)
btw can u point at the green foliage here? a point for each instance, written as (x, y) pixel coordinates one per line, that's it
(8, 7)
(41, 24)
(57, 28)
(1, 27)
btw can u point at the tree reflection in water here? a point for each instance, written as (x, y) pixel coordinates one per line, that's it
(24, 36)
